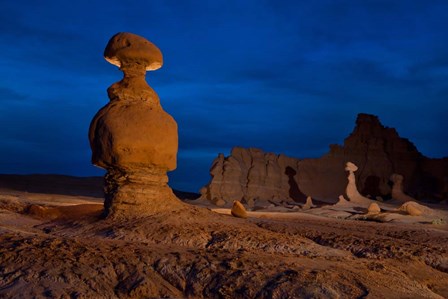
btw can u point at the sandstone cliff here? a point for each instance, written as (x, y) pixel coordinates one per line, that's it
(379, 152)
(250, 174)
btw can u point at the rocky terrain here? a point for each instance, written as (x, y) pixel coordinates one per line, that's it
(56, 245)
(378, 151)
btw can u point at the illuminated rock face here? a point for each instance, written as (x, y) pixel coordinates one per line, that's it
(132, 137)
(238, 210)
(252, 176)
(373, 208)
(351, 189)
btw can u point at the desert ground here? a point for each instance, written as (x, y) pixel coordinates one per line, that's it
(55, 244)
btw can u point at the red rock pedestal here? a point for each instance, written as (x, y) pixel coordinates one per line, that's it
(132, 137)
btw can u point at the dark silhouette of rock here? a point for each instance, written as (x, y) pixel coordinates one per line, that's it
(397, 189)
(65, 185)
(132, 137)
(372, 185)
(294, 190)
(378, 152)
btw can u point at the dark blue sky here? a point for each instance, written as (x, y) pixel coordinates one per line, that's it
(284, 76)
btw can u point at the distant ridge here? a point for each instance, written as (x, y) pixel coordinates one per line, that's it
(63, 184)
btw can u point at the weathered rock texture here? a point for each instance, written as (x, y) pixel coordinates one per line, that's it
(251, 174)
(378, 152)
(132, 137)
(351, 190)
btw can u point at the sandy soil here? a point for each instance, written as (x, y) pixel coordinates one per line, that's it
(57, 246)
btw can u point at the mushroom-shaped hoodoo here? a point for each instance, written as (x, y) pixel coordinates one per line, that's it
(124, 48)
(397, 189)
(132, 137)
(351, 167)
(351, 190)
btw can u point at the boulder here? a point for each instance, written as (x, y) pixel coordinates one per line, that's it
(238, 210)
(373, 208)
(413, 208)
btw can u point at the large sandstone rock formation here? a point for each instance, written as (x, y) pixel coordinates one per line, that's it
(378, 152)
(132, 137)
(251, 174)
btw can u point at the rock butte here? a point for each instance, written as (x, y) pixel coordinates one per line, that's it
(132, 137)
(378, 151)
(250, 175)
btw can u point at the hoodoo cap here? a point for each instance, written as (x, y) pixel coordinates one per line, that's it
(128, 47)
(351, 167)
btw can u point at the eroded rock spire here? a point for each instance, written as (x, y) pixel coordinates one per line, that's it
(351, 190)
(132, 137)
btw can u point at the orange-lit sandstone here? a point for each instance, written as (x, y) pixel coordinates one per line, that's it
(126, 47)
(374, 208)
(351, 190)
(238, 210)
(254, 177)
(132, 137)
